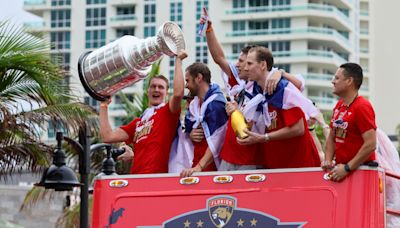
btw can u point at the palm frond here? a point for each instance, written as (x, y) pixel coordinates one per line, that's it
(35, 195)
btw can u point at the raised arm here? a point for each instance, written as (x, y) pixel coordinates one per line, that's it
(175, 101)
(214, 46)
(107, 134)
(272, 81)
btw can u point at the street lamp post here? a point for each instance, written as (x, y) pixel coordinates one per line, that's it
(62, 178)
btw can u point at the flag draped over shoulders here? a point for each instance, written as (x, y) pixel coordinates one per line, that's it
(211, 116)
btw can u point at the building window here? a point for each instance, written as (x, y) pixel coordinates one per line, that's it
(280, 46)
(127, 10)
(237, 48)
(176, 13)
(255, 3)
(92, 102)
(60, 18)
(51, 130)
(281, 23)
(60, 2)
(286, 67)
(125, 31)
(95, 38)
(62, 59)
(256, 25)
(149, 13)
(96, 17)
(280, 2)
(149, 31)
(239, 25)
(201, 53)
(60, 40)
(91, 2)
(239, 3)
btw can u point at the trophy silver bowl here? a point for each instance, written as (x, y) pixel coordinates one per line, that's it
(126, 60)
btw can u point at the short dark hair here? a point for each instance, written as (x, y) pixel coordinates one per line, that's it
(246, 49)
(200, 68)
(263, 54)
(353, 70)
(162, 77)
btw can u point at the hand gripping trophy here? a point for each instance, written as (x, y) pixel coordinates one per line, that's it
(126, 60)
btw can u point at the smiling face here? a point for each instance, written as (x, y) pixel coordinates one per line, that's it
(340, 82)
(191, 84)
(157, 91)
(254, 69)
(240, 64)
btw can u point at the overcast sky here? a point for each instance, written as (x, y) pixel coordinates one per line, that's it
(12, 9)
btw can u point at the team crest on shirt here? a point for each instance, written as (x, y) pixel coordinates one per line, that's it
(143, 129)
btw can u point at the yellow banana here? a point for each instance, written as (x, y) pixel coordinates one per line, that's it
(238, 124)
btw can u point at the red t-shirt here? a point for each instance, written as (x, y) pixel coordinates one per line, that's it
(235, 153)
(296, 152)
(199, 151)
(152, 141)
(348, 124)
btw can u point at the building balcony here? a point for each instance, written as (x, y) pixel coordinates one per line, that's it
(309, 56)
(364, 33)
(319, 80)
(346, 4)
(36, 26)
(364, 50)
(335, 39)
(124, 20)
(324, 103)
(364, 15)
(322, 13)
(36, 7)
(326, 58)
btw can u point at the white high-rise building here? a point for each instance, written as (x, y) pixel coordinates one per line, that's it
(310, 37)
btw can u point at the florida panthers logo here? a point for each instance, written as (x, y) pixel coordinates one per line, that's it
(220, 210)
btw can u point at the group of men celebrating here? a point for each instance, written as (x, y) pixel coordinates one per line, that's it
(271, 102)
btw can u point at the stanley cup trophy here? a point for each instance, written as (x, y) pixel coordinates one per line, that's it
(127, 60)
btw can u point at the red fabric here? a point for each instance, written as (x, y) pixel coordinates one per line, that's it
(294, 152)
(199, 151)
(235, 153)
(152, 141)
(358, 118)
(232, 80)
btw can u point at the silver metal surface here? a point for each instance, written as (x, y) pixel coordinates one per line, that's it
(126, 60)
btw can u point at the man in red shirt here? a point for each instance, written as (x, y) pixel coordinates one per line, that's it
(287, 143)
(233, 155)
(353, 136)
(152, 133)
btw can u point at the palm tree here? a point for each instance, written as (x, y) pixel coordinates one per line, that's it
(32, 93)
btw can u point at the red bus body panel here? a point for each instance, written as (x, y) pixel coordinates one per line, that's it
(286, 198)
